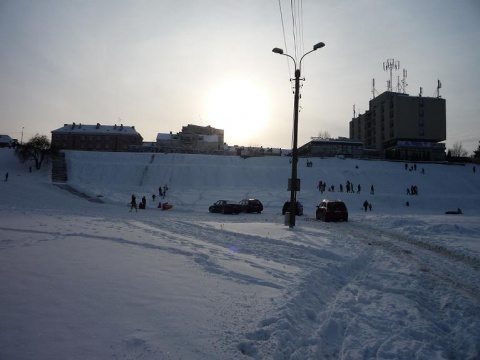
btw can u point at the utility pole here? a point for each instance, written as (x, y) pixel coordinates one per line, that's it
(294, 182)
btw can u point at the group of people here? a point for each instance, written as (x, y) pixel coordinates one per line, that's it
(412, 190)
(349, 187)
(367, 205)
(162, 192)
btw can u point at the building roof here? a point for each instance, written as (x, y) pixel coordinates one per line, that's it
(97, 129)
(5, 139)
(164, 136)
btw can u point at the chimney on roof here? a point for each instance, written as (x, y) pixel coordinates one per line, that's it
(133, 127)
(73, 126)
(115, 127)
(79, 125)
(98, 125)
(121, 127)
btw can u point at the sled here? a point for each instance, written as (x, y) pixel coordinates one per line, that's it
(165, 206)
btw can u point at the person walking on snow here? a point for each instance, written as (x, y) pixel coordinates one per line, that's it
(133, 203)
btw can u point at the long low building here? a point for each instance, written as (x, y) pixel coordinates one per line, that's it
(332, 147)
(96, 137)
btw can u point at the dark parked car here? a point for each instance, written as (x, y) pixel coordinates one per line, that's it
(286, 208)
(332, 210)
(225, 207)
(251, 205)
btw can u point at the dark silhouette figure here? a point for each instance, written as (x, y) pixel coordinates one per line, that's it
(133, 204)
(372, 190)
(143, 204)
(6, 176)
(365, 205)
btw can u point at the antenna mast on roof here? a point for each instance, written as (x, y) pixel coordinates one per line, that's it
(374, 91)
(390, 65)
(404, 81)
(439, 86)
(354, 112)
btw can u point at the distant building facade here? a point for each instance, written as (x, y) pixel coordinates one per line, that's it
(331, 147)
(403, 127)
(6, 141)
(192, 138)
(96, 137)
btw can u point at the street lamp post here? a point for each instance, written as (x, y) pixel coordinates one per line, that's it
(294, 182)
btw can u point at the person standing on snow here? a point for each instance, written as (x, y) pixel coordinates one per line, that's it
(365, 205)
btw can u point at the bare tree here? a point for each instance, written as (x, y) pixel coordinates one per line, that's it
(38, 149)
(458, 150)
(323, 134)
(476, 153)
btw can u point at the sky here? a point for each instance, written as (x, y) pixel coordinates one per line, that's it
(160, 65)
(90, 280)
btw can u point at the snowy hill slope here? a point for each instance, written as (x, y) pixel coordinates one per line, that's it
(198, 180)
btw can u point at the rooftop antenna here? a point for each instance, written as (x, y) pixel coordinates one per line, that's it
(354, 112)
(374, 91)
(421, 92)
(439, 86)
(390, 65)
(404, 81)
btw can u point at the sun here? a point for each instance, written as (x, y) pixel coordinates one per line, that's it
(240, 108)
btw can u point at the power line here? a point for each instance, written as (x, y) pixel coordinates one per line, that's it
(284, 37)
(294, 29)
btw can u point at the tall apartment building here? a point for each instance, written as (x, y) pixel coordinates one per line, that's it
(403, 127)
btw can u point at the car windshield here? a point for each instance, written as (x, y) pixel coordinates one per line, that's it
(336, 206)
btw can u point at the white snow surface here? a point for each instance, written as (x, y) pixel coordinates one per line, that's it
(88, 280)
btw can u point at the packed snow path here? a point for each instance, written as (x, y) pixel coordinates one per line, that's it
(89, 280)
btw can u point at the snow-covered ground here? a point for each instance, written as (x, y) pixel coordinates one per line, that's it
(88, 280)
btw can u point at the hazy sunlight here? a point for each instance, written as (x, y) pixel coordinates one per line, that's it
(240, 108)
